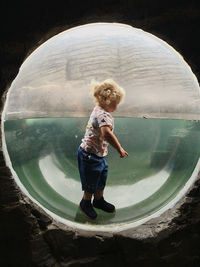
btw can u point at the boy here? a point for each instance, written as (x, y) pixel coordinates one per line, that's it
(93, 168)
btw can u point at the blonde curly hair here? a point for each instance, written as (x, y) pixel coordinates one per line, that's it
(106, 92)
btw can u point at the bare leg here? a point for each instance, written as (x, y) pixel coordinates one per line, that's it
(87, 196)
(98, 194)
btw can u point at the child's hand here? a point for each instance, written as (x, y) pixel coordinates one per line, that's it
(122, 153)
(107, 133)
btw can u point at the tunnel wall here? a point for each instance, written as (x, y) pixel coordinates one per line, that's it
(28, 237)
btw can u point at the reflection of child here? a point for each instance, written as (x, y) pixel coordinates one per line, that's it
(93, 168)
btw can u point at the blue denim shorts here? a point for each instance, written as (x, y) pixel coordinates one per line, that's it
(93, 171)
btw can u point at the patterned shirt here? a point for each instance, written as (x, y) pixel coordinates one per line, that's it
(93, 141)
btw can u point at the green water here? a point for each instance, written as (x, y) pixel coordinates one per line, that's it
(42, 148)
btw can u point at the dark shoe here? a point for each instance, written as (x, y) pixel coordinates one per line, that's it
(103, 205)
(87, 209)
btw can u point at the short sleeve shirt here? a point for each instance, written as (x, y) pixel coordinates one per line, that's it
(93, 141)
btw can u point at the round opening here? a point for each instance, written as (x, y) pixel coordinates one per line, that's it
(48, 106)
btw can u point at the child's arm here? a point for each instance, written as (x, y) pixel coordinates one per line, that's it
(112, 139)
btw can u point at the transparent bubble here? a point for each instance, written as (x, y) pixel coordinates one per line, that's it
(48, 105)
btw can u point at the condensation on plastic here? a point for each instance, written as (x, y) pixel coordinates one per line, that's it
(54, 81)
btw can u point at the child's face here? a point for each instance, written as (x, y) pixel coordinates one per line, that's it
(111, 107)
